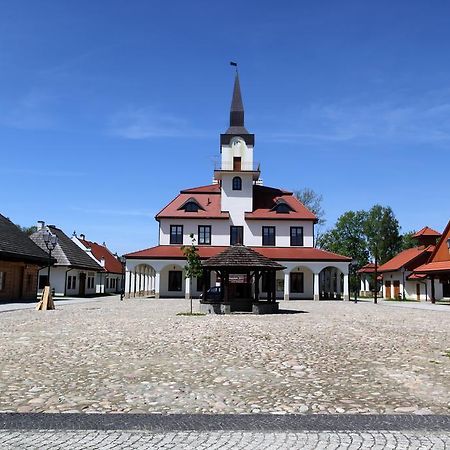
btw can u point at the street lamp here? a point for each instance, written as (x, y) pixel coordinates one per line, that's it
(51, 241)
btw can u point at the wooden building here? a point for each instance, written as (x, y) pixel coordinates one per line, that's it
(20, 261)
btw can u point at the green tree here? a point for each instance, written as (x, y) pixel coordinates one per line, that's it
(408, 241)
(348, 238)
(383, 238)
(193, 268)
(27, 230)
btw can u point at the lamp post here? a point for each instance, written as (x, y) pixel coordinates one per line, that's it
(51, 241)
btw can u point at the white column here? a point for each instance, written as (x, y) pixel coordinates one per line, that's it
(286, 285)
(338, 283)
(316, 287)
(126, 288)
(346, 288)
(187, 288)
(133, 282)
(157, 283)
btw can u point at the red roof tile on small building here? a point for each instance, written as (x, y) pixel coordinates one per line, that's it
(112, 264)
(426, 231)
(409, 259)
(274, 253)
(368, 268)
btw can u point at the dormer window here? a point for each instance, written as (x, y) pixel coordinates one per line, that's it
(191, 205)
(281, 207)
(237, 184)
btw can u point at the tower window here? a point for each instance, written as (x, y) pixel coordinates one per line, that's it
(236, 235)
(237, 184)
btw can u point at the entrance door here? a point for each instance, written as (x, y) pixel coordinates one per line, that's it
(397, 289)
(387, 288)
(446, 289)
(82, 285)
(418, 291)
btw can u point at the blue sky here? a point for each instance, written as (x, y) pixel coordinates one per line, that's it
(109, 108)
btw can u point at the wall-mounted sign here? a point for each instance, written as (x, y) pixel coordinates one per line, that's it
(238, 278)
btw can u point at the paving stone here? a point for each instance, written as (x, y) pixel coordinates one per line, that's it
(139, 356)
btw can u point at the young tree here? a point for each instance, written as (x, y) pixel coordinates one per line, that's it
(193, 268)
(383, 239)
(313, 201)
(347, 238)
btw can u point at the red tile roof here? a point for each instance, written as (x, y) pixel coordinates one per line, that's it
(426, 231)
(209, 199)
(112, 265)
(368, 268)
(265, 198)
(410, 259)
(433, 267)
(275, 253)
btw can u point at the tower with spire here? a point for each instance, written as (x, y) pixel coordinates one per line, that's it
(238, 171)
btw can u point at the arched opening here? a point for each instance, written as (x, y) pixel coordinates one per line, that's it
(140, 281)
(330, 283)
(237, 184)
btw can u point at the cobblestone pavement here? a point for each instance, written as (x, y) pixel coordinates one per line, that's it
(138, 356)
(51, 439)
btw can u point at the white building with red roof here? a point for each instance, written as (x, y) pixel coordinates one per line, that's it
(238, 209)
(400, 281)
(109, 280)
(437, 268)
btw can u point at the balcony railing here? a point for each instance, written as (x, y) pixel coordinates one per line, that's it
(238, 167)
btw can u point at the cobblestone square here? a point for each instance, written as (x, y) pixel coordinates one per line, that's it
(139, 356)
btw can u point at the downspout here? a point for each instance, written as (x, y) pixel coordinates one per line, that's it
(404, 283)
(65, 281)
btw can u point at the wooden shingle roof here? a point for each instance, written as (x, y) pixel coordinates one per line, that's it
(16, 245)
(66, 252)
(242, 257)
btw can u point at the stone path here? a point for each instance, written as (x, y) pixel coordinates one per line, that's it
(64, 431)
(139, 356)
(16, 306)
(224, 440)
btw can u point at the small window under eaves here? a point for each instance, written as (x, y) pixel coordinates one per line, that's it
(282, 208)
(190, 205)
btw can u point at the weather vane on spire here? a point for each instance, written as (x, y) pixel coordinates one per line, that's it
(234, 64)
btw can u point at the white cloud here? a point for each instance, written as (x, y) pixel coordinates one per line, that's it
(147, 123)
(30, 112)
(426, 121)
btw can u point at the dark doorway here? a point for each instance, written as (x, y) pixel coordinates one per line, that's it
(82, 285)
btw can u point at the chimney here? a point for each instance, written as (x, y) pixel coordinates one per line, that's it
(82, 237)
(40, 225)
